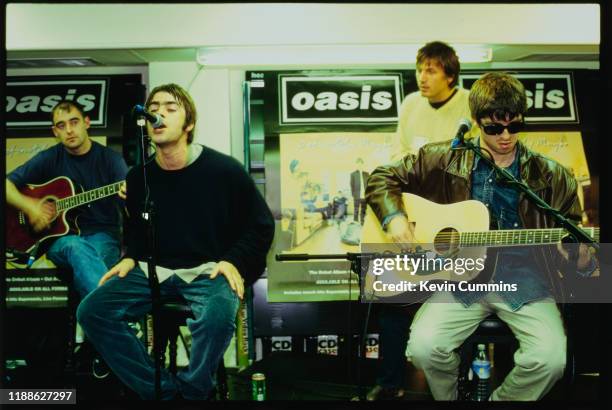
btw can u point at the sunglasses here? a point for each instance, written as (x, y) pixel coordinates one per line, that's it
(497, 128)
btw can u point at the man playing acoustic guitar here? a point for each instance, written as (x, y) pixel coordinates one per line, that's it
(89, 165)
(440, 174)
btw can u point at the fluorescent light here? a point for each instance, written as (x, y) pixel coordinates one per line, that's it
(474, 54)
(305, 55)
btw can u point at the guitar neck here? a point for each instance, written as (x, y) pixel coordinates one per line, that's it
(88, 196)
(519, 237)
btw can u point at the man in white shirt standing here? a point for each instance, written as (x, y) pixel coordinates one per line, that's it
(432, 113)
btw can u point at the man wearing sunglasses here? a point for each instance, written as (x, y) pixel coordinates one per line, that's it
(497, 104)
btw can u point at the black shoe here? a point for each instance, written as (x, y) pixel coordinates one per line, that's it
(383, 393)
(99, 368)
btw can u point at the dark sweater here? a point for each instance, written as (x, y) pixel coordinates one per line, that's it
(207, 211)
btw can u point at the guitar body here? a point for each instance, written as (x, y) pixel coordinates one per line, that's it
(20, 236)
(436, 229)
(457, 233)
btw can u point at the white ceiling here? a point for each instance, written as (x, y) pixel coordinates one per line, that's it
(129, 34)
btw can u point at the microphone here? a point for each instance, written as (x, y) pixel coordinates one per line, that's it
(464, 126)
(155, 119)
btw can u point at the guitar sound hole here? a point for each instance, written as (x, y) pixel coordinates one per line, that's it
(446, 241)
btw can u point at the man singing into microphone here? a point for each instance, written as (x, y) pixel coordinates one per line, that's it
(213, 230)
(497, 104)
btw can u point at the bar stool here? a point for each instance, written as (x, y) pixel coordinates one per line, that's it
(173, 315)
(490, 330)
(73, 299)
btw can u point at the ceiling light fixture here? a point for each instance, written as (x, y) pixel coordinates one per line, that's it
(307, 55)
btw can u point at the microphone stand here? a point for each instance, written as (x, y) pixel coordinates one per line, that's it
(149, 216)
(356, 260)
(506, 177)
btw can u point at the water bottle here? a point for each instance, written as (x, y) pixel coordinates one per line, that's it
(481, 366)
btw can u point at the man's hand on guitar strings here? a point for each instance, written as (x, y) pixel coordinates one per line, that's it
(40, 214)
(401, 230)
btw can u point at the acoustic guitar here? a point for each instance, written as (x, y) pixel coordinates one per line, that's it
(444, 236)
(21, 240)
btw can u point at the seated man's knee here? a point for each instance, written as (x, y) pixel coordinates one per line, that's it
(85, 311)
(554, 362)
(215, 321)
(71, 245)
(226, 310)
(421, 346)
(221, 310)
(73, 242)
(549, 359)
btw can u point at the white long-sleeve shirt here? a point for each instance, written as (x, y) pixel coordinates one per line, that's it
(419, 123)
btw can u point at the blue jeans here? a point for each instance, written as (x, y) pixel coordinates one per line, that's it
(104, 314)
(89, 257)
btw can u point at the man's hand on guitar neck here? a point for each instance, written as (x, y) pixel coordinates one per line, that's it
(123, 191)
(121, 269)
(400, 230)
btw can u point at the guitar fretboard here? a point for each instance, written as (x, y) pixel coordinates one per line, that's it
(519, 236)
(88, 196)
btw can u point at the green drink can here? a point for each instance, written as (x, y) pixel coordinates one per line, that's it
(258, 381)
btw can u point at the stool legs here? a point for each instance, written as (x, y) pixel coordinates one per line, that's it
(170, 338)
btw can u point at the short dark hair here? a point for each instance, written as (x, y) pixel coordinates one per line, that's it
(445, 55)
(66, 105)
(497, 94)
(184, 99)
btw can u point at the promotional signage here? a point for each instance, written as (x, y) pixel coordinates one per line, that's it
(243, 336)
(342, 99)
(550, 97)
(281, 344)
(372, 346)
(29, 103)
(327, 344)
(35, 288)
